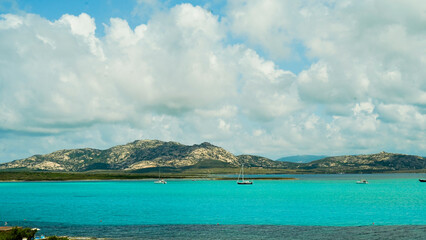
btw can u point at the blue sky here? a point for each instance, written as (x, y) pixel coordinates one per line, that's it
(139, 12)
(102, 10)
(272, 78)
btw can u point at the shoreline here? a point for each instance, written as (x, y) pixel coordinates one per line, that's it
(150, 179)
(96, 177)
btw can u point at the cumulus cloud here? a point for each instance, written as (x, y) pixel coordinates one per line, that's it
(361, 51)
(368, 75)
(59, 73)
(265, 24)
(179, 76)
(266, 91)
(174, 74)
(174, 63)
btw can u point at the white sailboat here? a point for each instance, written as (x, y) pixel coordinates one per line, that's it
(242, 181)
(160, 180)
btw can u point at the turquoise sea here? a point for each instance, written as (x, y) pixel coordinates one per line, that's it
(312, 205)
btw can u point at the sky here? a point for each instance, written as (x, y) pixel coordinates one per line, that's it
(272, 78)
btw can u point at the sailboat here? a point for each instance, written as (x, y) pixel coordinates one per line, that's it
(160, 180)
(242, 181)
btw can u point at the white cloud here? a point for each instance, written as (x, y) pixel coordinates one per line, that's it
(180, 77)
(165, 78)
(363, 108)
(267, 92)
(228, 111)
(365, 57)
(264, 23)
(407, 115)
(10, 21)
(84, 26)
(356, 45)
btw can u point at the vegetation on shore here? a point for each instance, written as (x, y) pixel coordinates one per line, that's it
(123, 175)
(57, 238)
(210, 174)
(18, 233)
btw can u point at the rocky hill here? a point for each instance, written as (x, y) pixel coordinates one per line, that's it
(147, 154)
(139, 155)
(380, 162)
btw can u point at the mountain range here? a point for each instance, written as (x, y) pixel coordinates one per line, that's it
(149, 154)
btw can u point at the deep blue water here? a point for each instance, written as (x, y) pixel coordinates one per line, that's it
(313, 200)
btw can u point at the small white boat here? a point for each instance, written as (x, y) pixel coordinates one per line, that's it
(242, 181)
(362, 181)
(160, 180)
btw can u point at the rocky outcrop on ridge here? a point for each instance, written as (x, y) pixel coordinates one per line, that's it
(136, 155)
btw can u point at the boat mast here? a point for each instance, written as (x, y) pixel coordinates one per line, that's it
(242, 171)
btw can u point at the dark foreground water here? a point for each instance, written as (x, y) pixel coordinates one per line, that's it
(391, 206)
(234, 231)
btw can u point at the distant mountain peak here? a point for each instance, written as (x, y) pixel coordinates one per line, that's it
(206, 144)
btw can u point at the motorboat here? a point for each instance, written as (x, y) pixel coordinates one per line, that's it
(362, 181)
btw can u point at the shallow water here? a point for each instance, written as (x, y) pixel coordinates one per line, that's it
(102, 207)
